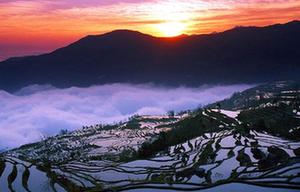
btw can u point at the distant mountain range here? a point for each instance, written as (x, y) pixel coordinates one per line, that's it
(239, 55)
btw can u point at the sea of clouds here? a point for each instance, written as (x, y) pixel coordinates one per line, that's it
(36, 111)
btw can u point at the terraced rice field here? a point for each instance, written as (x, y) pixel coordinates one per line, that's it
(226, 159)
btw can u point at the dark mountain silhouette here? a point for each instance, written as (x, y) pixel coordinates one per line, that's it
(239, 55)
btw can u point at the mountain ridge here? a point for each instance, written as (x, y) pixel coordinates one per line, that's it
(166, 38)
(239, 55)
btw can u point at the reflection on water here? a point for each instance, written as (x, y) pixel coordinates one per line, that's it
(232, 187)
(202, 163)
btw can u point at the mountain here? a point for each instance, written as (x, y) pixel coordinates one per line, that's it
(264, 94)
(270, 107)
(239, 55)
(256, 147)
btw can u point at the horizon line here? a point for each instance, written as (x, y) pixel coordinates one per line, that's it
(160, 37)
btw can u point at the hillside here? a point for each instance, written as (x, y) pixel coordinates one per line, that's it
(258, 145)
(264, 94)
(239, 55)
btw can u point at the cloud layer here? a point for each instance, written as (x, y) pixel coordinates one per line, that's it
(44, 110)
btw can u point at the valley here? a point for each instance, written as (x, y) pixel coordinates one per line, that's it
(251, 139)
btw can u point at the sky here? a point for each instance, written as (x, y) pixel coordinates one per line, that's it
(43, 110)
(38, 26)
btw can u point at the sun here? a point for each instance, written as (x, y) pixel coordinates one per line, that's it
(171, 29)
(173, 16)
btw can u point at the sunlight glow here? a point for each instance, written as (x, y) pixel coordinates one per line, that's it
(171, 29)
(174, 16)
(38, 26)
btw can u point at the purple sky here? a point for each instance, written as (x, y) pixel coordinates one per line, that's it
(38, 26)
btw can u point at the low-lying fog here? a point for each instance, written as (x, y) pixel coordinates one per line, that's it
(36, 111)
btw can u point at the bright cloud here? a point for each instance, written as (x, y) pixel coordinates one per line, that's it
(44, 110)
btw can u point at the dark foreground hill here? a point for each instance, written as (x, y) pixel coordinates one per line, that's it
(239, 55)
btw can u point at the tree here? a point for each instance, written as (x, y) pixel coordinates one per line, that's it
(63, 132)
(171, 113)
(219, 107)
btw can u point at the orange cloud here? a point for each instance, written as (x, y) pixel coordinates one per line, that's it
(50, 24)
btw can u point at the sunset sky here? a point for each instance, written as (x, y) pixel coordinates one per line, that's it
(37, 26)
